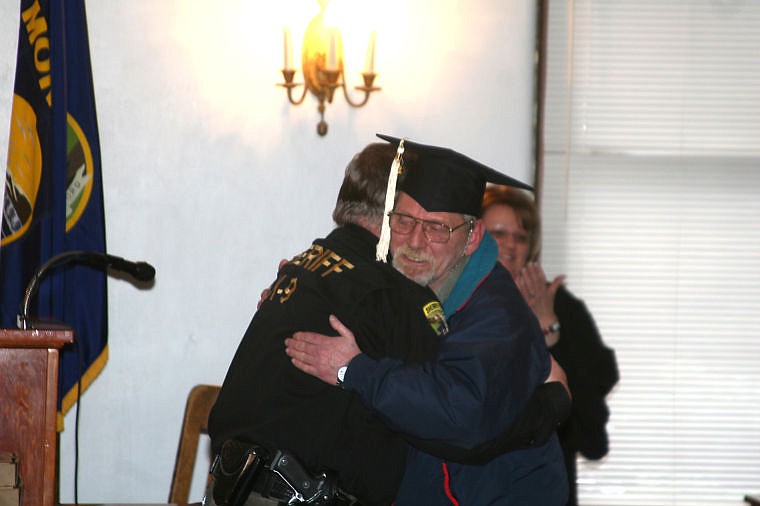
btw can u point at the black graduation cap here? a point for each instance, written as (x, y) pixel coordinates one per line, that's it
(442, 180)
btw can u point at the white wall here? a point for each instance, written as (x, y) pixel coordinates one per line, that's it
(211, 176)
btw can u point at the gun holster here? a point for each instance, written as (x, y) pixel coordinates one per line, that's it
(302, 487)
(242, 468)
(234, 470)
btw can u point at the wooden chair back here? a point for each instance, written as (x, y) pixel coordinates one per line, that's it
(195, 422)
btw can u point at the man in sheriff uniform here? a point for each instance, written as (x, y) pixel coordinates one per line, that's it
(490, 361)
(266, 401)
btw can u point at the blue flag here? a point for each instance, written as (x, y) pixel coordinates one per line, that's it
(53, 198)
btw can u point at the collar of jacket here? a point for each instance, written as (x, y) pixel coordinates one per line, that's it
(478, 268)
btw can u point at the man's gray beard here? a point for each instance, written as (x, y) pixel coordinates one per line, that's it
(423, 279)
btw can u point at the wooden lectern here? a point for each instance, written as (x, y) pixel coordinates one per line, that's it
(28, 404)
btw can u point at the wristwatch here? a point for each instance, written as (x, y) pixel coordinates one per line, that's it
(341, 374)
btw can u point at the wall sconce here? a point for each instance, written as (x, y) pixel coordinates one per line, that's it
(322, 66)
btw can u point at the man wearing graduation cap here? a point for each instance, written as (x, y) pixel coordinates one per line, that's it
(491, 360)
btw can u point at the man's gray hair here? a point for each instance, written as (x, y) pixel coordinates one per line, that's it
(362, 194)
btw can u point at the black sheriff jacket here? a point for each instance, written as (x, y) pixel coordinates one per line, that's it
(264, 399)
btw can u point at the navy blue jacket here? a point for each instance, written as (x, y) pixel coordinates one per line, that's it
(489, 364)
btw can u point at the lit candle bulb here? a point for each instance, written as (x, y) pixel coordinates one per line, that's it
(369, 63)
(332, 55)
(287, 48)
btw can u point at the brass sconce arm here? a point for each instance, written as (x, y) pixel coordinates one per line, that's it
(367, 88)
(288, 75)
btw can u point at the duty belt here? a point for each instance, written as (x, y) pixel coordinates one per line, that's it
(242, 468)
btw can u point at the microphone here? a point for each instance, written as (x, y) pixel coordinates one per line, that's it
(141, 271)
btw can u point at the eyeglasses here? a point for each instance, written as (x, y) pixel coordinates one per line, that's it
(434, 231)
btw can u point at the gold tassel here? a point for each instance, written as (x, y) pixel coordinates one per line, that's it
(381, 253)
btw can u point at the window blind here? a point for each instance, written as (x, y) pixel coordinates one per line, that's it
(651, 206)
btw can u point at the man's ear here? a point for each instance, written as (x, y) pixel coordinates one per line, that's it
(473, 241)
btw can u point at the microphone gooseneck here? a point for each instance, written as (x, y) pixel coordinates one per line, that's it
(141, 271)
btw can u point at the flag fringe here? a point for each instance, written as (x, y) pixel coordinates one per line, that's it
(70, 398)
